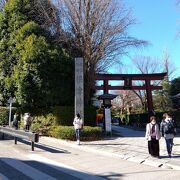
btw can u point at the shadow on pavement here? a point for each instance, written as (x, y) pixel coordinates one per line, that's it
(127, 132)
(176, 144)
(112, 176)
(50, 149)
(146, 172)
(176, 156)
(103, 144)
(167, 157)
(32, 169)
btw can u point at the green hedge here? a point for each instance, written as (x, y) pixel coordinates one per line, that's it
(4, 115)
(64, 115)
(67, 132)
(90, 116)
(42, 124)
(142, 119)
(139, 120)
(176, 115)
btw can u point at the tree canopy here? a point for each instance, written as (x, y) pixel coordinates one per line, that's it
(34, 69)
(96, 31)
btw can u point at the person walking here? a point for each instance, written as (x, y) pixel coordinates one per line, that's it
(152, 136)
(168, 131)
(16, 120)
(27, 121)
(78, 125)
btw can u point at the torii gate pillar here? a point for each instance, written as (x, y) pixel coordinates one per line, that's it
(149, 96)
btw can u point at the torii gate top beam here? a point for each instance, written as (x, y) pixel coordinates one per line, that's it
(128, 78)
(156, 76)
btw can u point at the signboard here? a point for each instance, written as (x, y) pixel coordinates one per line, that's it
(10, 100)
(79, 87)
(127, 83)
(107, 120)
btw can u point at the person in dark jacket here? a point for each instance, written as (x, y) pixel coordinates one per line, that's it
(168, 131)
(16, 120)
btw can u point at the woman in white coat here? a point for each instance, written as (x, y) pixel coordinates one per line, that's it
(78, 125)
(153, 136)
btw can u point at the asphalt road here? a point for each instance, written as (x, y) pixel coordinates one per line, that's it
(53, 160)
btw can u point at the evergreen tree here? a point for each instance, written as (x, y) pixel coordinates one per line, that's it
(162, 100)
(174, 90)
(175, 86)
(33, 69)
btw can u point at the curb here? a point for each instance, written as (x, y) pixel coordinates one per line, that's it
(165, 164)
(173, 166)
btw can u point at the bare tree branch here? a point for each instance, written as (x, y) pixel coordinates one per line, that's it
(2, 3)
(169, 67)
(98, 30)
(45, 14)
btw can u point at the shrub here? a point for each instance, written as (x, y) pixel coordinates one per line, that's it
(139, 120)
(64, 115)
(142, 119)
(42, 124)
(62, 132)
(91, 133)
(90, 116)
(100, 111)
(4, 115)
(176, 116)
(68, 132)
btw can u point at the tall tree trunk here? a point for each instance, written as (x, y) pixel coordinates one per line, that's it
(89, 85)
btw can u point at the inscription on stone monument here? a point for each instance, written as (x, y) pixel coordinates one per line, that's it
(79, 87)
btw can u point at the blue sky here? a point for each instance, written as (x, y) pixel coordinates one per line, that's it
(158, 22)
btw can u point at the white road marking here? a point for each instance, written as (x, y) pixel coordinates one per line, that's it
(64, 168)
(27, 170)
(2, 177)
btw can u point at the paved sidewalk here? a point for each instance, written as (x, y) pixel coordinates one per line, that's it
(129, 145)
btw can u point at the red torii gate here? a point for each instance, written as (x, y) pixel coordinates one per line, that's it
(128, 78)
